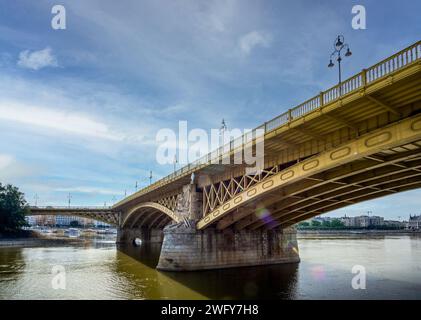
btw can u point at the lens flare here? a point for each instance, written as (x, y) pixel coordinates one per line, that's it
(318, 272)
(264, 215)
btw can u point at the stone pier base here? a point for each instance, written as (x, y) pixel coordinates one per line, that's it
(128, 235)
(186, 249)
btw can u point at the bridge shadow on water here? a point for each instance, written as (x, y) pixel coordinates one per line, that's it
(259, 282)
(147, 254)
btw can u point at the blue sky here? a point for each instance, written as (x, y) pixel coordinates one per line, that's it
(80, 108)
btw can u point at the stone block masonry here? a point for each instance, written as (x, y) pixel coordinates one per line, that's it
(128, 235)
(185, 249)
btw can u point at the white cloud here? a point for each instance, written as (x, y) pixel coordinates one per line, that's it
(5, 161)
(11, 169)
(253, 39)
(37, 59)
(58, 120)
(83, 189)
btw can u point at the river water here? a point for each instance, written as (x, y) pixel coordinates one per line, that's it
(99, 271)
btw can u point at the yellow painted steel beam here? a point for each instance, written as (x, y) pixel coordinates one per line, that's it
(384, 105)
(350, 176)
(346, 123)
(153, 205)
(310, 134)
(403, 132)
(155, 220)
(403, 185)
(335, 197)
(107, 216)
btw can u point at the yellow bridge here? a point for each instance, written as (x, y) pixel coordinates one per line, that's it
(330, 151)
(356, 141)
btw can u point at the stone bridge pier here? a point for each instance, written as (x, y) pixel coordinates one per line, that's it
(185, 248)
(129, 235)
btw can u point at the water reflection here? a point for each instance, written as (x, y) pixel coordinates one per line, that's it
(262, 282)
(147, 254)
(98, 270)
(12, 263)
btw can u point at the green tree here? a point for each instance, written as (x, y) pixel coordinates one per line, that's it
(13, 208)
(304, 224)
(326, 224)
(336, 223)
(315, 223)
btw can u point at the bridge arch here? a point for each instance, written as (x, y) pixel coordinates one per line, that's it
(147, 208)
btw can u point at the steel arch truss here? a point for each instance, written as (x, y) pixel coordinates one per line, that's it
(382, 162)
(149, 214)
(107, 216)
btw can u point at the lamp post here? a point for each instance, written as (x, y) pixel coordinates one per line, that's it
(175, 162)
(339, 45)
(69, 198)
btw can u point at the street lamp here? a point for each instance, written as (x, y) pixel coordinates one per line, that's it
(175, 162)
(339, 45)
(69, 198)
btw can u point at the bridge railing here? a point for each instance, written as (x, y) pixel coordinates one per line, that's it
(376, 72)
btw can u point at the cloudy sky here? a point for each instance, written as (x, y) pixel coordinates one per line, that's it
(80, 108)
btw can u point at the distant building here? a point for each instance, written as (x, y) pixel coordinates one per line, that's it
(414, 222)
(31, 220)
(63, 221)
(348, 221)
(101, 224)
(362, 221)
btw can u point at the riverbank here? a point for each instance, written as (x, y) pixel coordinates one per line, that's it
(27, 238)
(357, 232)
(38, 242)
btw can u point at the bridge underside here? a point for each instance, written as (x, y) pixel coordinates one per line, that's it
(149, 218)
(384, 162)
(380, 174)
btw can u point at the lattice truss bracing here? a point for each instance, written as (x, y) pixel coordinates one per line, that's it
(169, 202)
(110, 218)
(218, 193)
